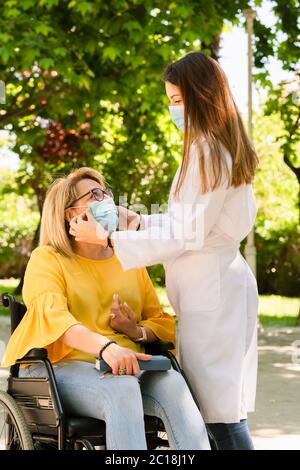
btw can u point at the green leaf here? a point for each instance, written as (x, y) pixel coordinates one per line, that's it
(27, 4)
(49, 3)
(132, 25)
(11, 13)
(46, 63)
(91, 46)
(43, 29)
(82, 7)
(60, 51)
(4, 54)
(90, 73)
(4, 37)
(84, 82)
(28, 57)
(110, 53)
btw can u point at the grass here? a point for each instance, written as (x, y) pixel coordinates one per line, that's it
(274, 310)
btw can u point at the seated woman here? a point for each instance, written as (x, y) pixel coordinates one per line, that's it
(73, 293)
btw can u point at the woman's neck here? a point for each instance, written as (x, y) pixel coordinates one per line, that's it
(88, 250)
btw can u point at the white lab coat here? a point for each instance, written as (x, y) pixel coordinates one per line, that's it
(210, 287)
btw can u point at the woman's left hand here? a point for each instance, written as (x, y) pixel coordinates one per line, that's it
(121, 323)
(85, 229)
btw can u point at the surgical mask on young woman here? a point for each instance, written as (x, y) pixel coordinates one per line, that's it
(106, 213)
(177, 115)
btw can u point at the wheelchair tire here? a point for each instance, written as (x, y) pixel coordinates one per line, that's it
(19, 434)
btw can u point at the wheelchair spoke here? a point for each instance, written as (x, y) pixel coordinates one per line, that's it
(9, 438)
(10, 434)
(3, 429)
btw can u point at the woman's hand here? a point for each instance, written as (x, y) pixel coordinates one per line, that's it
(127, 323)
(128, 220)
(80, 337)
(119, 358)
(85, 229)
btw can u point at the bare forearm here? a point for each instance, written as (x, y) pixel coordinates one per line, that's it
(80, 337)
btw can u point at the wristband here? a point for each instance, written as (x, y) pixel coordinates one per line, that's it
(104, 347)
(143, 338)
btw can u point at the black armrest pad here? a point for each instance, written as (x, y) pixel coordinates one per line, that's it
(36, 353)
(158, 347)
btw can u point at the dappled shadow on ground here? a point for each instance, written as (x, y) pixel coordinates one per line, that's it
(277, 406)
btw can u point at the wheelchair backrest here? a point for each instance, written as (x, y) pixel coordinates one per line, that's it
(17, 309)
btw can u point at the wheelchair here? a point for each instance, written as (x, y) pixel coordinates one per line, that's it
(32, 416)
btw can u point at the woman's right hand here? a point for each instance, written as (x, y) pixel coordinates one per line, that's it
(128, 220)
(118, 358)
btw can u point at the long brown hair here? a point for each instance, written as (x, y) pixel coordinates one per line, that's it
(210, 112)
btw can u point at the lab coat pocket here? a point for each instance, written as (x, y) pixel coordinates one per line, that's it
(198, 277)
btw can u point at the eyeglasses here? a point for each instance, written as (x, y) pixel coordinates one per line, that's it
(97, 193)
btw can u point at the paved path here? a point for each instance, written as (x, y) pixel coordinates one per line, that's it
(276, 422)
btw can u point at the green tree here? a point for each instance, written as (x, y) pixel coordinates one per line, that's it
(98, 65)
(276, 227)
(284, 101)
(282, 42)
(89, 74)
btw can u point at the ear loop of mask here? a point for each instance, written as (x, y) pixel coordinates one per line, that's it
(80, 207)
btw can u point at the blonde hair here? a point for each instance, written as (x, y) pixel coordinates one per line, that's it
(61, 194)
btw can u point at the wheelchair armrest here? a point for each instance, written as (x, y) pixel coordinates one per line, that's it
(158, 347)
(36, 353)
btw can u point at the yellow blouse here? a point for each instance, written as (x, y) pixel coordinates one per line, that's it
(60, 292)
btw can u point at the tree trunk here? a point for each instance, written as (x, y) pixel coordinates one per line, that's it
(213, 47)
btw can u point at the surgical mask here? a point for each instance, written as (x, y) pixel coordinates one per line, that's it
(106, 213)
(177, 115)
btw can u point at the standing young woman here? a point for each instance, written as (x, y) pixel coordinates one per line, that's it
(209, 284)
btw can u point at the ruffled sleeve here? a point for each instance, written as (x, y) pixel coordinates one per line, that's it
(47, 317)
(162, 324)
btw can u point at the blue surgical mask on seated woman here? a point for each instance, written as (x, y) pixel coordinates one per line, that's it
(177, 115)
(106, 213)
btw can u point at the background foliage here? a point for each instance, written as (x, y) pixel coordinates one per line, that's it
(83, 83)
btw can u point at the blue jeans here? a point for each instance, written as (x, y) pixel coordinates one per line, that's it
(231, 436)
(122, 401)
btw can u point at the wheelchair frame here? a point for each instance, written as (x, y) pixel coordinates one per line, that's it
(40, 404)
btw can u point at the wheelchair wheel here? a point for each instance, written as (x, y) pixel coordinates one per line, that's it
(14, 432)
